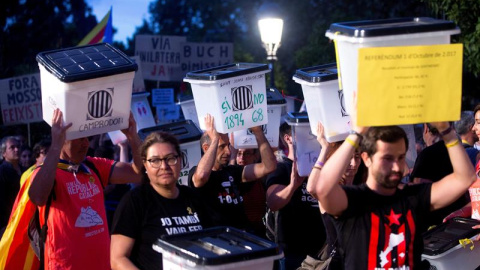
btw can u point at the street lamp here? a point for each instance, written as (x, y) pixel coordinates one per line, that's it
(270, 25)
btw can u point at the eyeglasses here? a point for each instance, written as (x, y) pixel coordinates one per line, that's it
(157, 162)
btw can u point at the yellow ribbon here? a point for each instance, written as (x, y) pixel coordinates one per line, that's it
(340, 86)
(465, 242)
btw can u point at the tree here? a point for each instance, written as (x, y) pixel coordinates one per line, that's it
(34, 26)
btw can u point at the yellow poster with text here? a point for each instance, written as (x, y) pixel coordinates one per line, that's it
(409, 84)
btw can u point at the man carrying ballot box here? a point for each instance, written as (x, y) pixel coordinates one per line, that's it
(70, 185)
(217, 181)
(384, 222)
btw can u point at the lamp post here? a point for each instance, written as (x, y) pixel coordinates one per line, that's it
(270, 25)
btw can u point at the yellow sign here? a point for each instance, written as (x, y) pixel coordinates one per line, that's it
(409, 84)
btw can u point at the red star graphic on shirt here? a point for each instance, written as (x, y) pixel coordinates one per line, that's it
(393, 218)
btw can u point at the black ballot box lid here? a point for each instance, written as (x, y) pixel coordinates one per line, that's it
(227, 71)
(86, 62)
(274, 97)
(217, 246)
(185, 131)
(293, 118)
(318, 74)
(386, 27)
(446, 235)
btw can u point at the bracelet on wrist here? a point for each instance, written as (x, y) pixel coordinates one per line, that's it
(353, 132)
(352, 143)
(320, 163)
(317, 167)
(453, 143)
(446, 131)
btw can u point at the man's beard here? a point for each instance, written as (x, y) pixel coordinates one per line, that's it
(386, 182)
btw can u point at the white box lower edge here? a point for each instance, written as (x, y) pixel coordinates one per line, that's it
(455, 257)
(171, 261)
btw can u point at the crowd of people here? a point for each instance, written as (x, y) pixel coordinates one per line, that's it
(106, 208)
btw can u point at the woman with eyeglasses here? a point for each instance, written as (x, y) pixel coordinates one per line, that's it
(159, 206)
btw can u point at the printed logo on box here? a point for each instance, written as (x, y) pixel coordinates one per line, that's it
(100, 104)
(185, 164)
(342, 103)
(242, 98)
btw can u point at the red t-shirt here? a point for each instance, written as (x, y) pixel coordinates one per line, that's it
(78, 236)
(474, 191)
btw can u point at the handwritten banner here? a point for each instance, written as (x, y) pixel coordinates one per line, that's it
(409, 84)
(21, 100)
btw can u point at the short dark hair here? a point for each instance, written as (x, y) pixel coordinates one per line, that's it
(477, 108)
(389, 134)
(41, 146)
(285, 129)
(159, 137)
(466, 122)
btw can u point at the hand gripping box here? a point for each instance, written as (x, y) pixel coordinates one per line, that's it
(443, 250)
(324, 101)
(275, 105)
(351, 36)
(305, 144)
(188, 136)
(217, 248)
(235, 95)
(91, 85)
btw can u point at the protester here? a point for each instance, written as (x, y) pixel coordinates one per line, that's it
(10, 172)
(40, 151)
(217, 182)
(384, 224)
(15, 245)
(347, 178)
(472, 209)
(77, 236)
(160, 206)
(253, 192)
(26, 157)
(464, 128)
(431, 165)
(298, 227)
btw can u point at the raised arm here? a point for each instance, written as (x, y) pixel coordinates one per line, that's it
(279, 195)
(269, 162)
(330, 194)
(205, 165)
(314, 176)
(454, 185)
(42, 182)
(125, 172)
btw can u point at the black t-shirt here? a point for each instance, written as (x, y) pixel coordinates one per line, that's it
(383, 232)
(222, 194)
(433, 163)
(9, 187)
(300, 227)
(145, 216)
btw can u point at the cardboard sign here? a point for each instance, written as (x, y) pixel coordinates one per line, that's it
(409, 84)
(21, 99)
(162, 96)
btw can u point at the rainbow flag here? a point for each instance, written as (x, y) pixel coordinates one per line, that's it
(102, 32)
(15, 250)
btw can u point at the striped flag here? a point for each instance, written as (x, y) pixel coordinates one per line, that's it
(102, 32)
(15, 250)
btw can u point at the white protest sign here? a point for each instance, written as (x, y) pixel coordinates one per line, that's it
(165, 113)
(162, 96)
(160, 56)
(198, 56)
(21, 100)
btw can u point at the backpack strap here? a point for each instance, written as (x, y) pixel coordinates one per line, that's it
(92, 167)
